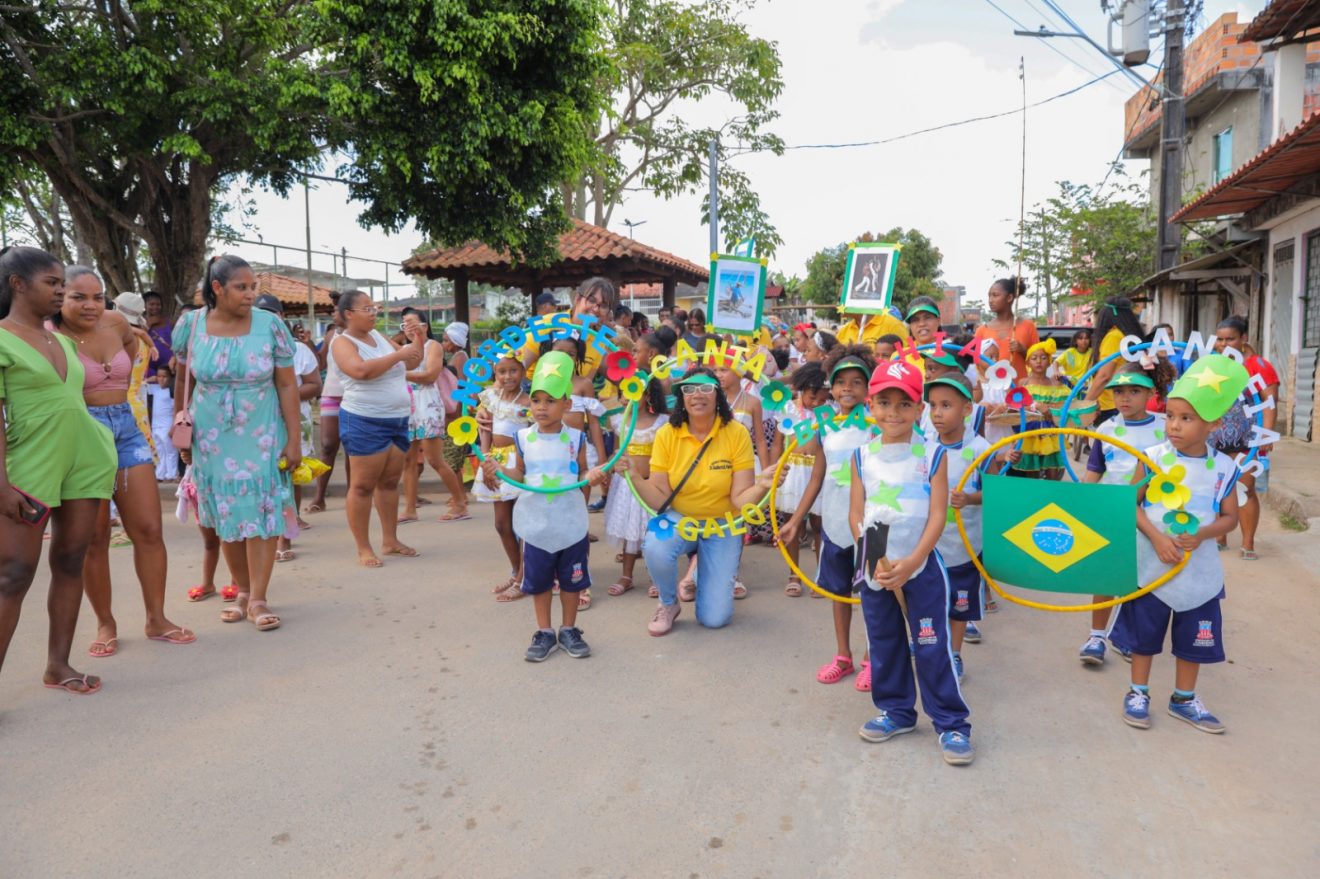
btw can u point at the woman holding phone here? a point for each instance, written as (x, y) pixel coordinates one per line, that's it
(56, 461)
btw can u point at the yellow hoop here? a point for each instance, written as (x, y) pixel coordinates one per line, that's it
(774, 528)
(1026, 602)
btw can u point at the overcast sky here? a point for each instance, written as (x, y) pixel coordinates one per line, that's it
(869, 70)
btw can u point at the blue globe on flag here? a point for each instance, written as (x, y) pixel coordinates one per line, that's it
(1052, 536)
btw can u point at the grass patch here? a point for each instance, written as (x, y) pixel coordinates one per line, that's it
(1292, 523)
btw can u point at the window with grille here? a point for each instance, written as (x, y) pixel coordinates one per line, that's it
(1311, 296)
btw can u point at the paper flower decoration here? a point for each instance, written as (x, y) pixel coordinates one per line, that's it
(661, 526)
(632, 388)
(775, 395)
(619, 365)
(1167, 488)
(1181, 522)
(999, 375)
(463, 430)
(1019, 398)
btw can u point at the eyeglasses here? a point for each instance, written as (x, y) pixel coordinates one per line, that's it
(693, 390)
(368, 309)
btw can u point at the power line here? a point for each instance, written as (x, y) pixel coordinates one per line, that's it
(1077, 29)
(960, 122)
(1053, 48)
(1050, 45)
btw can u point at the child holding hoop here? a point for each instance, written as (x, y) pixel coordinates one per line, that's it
(848, 367)
(625, 518)
(508, 407)
(1184, 510)
(1109, 465)
(808, 383)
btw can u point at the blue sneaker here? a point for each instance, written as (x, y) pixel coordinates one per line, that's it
(1193, 711)
(597, 506)
(972, 635)
(881, 728)
(1136, 709)
(543, 644)
(956, 748)
(1122, 651)
(958, 666)
(1093, 651)
(570, 638)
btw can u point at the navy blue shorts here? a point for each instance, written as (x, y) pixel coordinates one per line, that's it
(362, 436)
(569, 566)
(1197, 634)
(837, 566)
(966, 593)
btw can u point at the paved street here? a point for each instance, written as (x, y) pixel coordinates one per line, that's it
(391, 727)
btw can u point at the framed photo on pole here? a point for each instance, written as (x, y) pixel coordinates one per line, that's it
(868, 277)
(735, 296)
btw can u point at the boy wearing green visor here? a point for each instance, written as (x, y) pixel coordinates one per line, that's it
(552, 526)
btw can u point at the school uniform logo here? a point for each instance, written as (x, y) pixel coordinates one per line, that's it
(926, 632)
(577, 572)
(961, 603)
(1205, 635)
(723, 464)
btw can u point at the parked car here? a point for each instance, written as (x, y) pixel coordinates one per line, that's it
(1062, 336)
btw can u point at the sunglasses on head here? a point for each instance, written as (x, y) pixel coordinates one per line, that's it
(692, 390)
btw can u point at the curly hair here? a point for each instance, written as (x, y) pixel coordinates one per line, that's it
(723, 411)
(864, 353)
(808, 377)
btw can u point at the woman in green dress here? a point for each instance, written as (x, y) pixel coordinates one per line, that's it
(51, 450)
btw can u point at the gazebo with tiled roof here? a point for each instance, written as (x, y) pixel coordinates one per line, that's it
(584, 251)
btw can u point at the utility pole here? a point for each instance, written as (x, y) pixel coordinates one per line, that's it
(1173, 128)
(714, 196)
(307, 216)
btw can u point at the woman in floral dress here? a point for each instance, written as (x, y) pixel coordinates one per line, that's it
(245, 421)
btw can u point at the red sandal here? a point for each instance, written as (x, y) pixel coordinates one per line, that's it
(230, 592)
(200, 593)
(836, 670)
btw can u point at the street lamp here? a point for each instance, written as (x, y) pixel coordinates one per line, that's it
(631, 226)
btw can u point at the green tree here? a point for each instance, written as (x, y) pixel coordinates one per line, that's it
(918, 268)
(662, 54)
(464, 117)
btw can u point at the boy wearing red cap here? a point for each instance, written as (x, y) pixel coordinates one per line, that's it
(900, 485)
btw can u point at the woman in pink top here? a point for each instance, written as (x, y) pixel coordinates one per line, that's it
(107, 345)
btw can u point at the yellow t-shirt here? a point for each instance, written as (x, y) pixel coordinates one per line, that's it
(532, 349)
(1108, 345)
(706, 493)
(877, 325)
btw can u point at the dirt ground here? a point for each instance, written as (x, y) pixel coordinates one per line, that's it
(391, 727)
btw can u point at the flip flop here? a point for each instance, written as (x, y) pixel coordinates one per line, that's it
(512, 593)
(453, 516)
(285, 555)
(200, 593)
(175, 636)
(64, 685)
(404, 520)
(314, 507)
(372, 562)
(108, 650)
(406, 551)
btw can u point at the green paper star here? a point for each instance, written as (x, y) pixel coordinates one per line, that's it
(563, 437)
(552, 481)
(918, 450)
(886, 495)
(1120, 431)
(843, 473)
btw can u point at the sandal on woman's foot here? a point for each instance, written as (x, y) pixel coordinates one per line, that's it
(455, 515)
(512, 592)
(503, 586)
(620, 586)
(835, 670)
(175, 636)
(1249, 555)
(314, 507)
(404, 520)
(687, 589)
(739, 590)
(103, 649)
(863, 682)
(263, 621)
(285, 555)
(584, 600)
(653, 591)
(229, 593)
(236, 614)
(87, 688)
(200, 593)
(794, 588)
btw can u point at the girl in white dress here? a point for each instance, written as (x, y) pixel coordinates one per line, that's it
(426, 428)
(507, 405)
(625, 519)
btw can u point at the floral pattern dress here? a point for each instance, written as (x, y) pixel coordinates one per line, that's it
(238, 430)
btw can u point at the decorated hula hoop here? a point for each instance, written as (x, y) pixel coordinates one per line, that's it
(1062, 608)
(1085, 379)
(462, 430)
(783, 550)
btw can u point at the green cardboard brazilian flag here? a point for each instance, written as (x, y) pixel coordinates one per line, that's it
(1061, 536)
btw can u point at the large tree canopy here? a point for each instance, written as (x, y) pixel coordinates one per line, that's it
(465, 117)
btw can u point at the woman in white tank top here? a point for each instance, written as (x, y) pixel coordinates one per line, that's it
(373, 420)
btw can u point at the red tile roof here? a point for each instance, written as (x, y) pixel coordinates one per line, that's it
(289, 291)
(1272, 173)
(584, 250)
(1282, 18)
